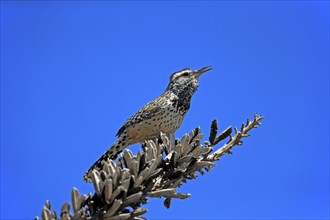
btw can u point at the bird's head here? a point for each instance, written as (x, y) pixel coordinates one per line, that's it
(186, 79)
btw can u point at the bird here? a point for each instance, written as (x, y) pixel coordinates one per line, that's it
(162, 115)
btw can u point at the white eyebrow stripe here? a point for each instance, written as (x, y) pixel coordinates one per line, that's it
(179, 73)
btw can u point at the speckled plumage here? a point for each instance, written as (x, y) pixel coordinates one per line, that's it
(164, 114)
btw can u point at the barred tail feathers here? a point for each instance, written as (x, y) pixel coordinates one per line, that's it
(111, 153)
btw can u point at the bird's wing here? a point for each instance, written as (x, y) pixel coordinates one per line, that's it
(153, 108)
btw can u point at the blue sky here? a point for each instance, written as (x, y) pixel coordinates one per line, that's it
(73, 72)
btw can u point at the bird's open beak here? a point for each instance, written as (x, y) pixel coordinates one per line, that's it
(199, 72)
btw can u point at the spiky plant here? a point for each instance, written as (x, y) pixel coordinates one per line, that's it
(156, 171)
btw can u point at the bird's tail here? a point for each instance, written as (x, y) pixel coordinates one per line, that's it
(111, 153)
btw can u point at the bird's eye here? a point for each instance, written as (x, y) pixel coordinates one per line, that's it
(186, 74)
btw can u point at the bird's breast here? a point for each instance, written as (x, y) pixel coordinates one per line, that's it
(166, 122)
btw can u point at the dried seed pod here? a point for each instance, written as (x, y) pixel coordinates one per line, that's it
(192, 134)
(125, 174)
(128, 159)
(185, 159)
(115, 193)
(82, 200)
(143, 163)
(78, 215)
(188, 149)
(158, 147)
(173, 159)
(180, 195)
(149, 152)
(65, 211)
(138, 159)
(144, 173)
(116, 204)
(96, 182)
(45, 214)
(106, 168)
(183, 166)
(198, 151)
(132, 199)
(154, 174)
(162, 193)
(108, 188)
(116, 177)
(47, 205)
(166, 142)
(178, 149)
(185, 142)
(154, 148)
(155, 164)
(75, 195)
(214, 131)
(139, 211)
(197, 130)
(112, 167)
(138, 181)
(167, 202)
(122, 216)
(198, 138)
(125, 184)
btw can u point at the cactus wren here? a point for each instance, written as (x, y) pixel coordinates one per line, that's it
(163, 114)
